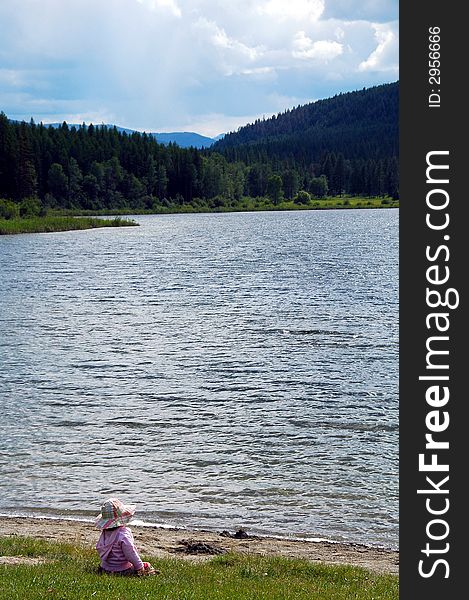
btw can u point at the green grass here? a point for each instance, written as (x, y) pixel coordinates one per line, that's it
(71, 574)
(50, 224)
(245, 204)
(339, 202)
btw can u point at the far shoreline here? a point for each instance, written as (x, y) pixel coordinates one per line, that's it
(331, 203)
(81, 220)
(167, 542)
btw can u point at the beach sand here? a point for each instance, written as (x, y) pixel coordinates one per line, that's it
(202, 545)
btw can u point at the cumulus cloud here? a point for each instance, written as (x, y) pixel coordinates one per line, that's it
(384, 56)
(218, 37)
(264, 72)
(305, 48)
(154, 64)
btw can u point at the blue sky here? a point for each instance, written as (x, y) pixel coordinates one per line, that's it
(188, 65)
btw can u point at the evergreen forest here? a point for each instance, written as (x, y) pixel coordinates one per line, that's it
(345, 145)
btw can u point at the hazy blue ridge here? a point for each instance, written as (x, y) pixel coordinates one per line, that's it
(184, 139)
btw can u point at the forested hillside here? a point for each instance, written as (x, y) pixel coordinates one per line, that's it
(344, 145)
(352, 139)
(362, 124)
(98, 167)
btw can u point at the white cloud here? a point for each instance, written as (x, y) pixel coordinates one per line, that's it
(305, 48)
(169, 5)
(218, 37)
(292, 9)
(281, 102)
(159, 64)
(384, 57)
(232, 56)
(339, 33)
(260, 72)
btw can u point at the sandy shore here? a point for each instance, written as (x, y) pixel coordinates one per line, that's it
(201, 545)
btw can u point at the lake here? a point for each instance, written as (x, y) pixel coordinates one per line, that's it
(218, 370)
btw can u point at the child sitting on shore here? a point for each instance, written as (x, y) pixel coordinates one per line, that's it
(116, 546)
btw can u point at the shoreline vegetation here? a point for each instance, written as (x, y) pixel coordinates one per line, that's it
(52, 224)
(339, 153)
(245, 204)
(57, 557)
(36, 220)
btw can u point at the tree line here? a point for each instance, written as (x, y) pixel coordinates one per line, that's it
(100, 168)
(351, 139)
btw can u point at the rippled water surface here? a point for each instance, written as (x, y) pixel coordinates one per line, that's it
(219, 371)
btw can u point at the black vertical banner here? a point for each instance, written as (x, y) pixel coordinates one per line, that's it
(434, 439)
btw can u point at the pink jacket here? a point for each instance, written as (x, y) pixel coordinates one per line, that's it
(116, 548)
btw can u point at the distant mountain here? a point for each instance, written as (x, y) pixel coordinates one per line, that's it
(347, 144)
(184, 139)
(360, 125)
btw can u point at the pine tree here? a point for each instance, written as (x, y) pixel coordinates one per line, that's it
(75, 181)
(57, 182)
(338, 178)
(161, 182)
(291, 183)
(274, 189)
(26, 171)
(8, 159)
